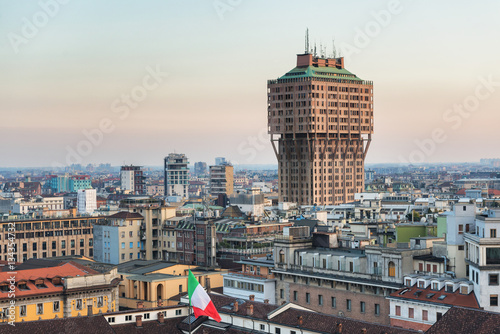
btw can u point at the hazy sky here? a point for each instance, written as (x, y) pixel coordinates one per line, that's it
(72, 66)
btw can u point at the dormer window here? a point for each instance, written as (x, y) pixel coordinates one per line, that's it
(22, 285)
(449, 287)
(421, 284)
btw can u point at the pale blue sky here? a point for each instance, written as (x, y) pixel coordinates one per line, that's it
(65, 78)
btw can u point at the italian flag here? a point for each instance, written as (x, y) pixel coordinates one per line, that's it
(199, 299)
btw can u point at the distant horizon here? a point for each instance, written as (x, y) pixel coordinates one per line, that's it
(120, 81)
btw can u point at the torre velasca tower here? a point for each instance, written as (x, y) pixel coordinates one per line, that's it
(320, 118)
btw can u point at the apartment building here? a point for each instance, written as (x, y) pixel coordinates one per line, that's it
(86, 201)
(176, 175)
(67, 289)
(49, 237)
(196, 243)
(118, 238)
(320, 118)
(132, 179)
(315, 273)
(221, 179)
(37, 203)
(482, 254)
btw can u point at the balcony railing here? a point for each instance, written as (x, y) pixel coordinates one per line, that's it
(250, 275)
(250, 251)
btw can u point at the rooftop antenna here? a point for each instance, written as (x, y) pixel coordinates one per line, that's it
(307, 41)
(334, 49)
(321, 50)
(315, 54)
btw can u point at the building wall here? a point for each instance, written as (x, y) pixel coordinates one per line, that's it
(417, 322)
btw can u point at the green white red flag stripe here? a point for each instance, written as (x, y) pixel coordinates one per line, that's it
(199, 299)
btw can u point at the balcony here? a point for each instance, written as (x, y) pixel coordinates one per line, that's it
(250, 251)
(250, 275)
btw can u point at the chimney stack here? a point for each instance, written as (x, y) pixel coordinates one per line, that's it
(138, 321)
(160, 303)
(250, 310)
(300, 321)
(207, 285)
(251, 298)
(339, 328)
(266, 301)
(140, 304)
(235, 307)
(161, 318)
(89, 310)
(363, 331)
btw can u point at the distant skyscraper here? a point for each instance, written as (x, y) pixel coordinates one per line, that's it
(132, 179)
(320, 118)
(176, 175)
(220, 161)
(200, 168)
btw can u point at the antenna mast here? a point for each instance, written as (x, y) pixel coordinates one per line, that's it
(334, 49)
(307, 41)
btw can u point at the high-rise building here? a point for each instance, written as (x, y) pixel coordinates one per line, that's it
(132, 179)
(220, 161)
(176, 175)
(320, 118)
(221, 180)
(200, 168)
(86, 201)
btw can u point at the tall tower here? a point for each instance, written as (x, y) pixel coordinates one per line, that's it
(176, 175)
(320, 118)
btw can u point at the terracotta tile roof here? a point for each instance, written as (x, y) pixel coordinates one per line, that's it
(68, 269)
(76, 325)
(150, 327)
(466, 320)
(126, 215)
(428, 295)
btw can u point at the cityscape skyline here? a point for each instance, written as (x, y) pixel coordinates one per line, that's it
(66, 78)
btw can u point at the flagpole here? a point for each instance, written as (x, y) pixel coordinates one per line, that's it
(189, 309)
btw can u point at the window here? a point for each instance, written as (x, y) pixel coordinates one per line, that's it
(295, 295)
(435, 286)
(428, 267)
(180, 287)
(320, 300)
(123, 256)
(72, 242)
(464, 289)
(146, 315)
(282, 293)
(277, 331)
(434, 268)
(131, 234)
(493, 300)
(348, 304)
(123, 234)
(449, 287)
(79, 304)
(100, 301)
(411, 313)
(408, 282)
(131, 245)
(493, 233)
(56, 306)
(425, 315)
(111, 319)
(262, 327)
(39, 308)
(308, 297)
(377, 309)
(460, 229)
(362, 307)
(178, 312)
(53, 245)
(44, 245)
(123, 245)
(334, 302)
(128, 318)
(392, 269)
(420, 266)
(398, 310)
(493, 279)
(22, 310)
(63, 244)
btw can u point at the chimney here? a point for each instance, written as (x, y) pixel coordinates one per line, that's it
(363, 331)
(339, 328)
(89, 310)
(161, 318)
(159, 302)
(300, 321)
(283, 302)
(266, 301)
(235, 307)
(138, 321)
(251, 298)
(250, 310)
(140, 304)
(207, 285)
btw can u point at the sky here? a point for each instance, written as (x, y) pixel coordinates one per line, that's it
(128, 82)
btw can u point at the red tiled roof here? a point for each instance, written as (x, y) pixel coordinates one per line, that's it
(466, 320)
(452, 298)
(68, 269)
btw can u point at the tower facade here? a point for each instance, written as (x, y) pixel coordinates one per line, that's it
(320, 118)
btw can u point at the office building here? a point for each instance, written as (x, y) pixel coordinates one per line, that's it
(176, 175)
(320, 118)
(86, 201)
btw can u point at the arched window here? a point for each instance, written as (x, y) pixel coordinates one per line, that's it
(392, 269)
(282, 256)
